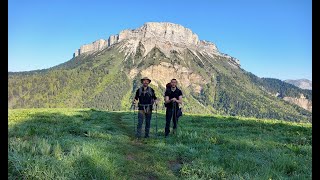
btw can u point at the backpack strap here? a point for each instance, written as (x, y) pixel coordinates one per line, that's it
(140, 91)
(149, 91)
(169, 91)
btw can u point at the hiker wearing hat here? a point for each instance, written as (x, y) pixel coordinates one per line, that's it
(146, 97)
(173, 97)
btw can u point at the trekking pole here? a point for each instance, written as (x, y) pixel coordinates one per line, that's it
(156, 120)
(175, 116)
(173, 108)
(134, 118)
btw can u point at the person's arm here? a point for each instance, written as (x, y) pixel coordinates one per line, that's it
(136, 97)
(180, 100)
(167, 100)
(166, 97)
(154, 95)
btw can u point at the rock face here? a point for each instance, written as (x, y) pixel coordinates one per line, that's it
(95, 46)
(301, 83)
(166, 36)
(302, 102)
(113, 39)
(173, 33)
(185, 76)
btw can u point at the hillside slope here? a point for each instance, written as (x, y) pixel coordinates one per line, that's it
(92, 144)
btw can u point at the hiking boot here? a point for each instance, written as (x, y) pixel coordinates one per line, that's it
(174, 131)
(138, 136)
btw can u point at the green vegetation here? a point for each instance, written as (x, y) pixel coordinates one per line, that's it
(234, 99)
(277, 86)
(92, 144)
(101, 80)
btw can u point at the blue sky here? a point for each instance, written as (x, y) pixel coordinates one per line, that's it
(271, 38)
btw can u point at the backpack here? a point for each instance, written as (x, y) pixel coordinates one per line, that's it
(179, 113)
(149, 92)
(167, 89)
(168, 85)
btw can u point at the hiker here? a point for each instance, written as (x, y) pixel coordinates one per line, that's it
(173, 97)
(146, 97)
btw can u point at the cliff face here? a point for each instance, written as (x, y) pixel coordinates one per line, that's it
(159, 73)
(302, 102)
(173, 33)
(163, 35)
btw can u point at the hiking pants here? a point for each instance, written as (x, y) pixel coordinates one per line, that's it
(141, 116)
(170, 114)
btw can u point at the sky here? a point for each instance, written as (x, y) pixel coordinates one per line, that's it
(271, 38)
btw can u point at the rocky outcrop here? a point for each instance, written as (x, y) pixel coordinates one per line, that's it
(232, 60)
(95, 46)
(76, 53)
(302, 102)
(159, 73)
(173, 33)
(113, 39)
(167, 37)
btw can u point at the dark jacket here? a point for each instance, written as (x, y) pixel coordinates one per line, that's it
(146, 97)
(173, 94)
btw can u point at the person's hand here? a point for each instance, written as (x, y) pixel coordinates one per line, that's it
(156, 101)
(134, 101)
(174, 99)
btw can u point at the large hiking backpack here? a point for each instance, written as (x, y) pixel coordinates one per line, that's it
(168, 85)
(168, 88)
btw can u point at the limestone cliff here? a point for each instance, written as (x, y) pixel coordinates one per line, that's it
(166, 36)
(302, 102)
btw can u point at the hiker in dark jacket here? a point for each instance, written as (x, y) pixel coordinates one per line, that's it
(173, 97)
(146, 97)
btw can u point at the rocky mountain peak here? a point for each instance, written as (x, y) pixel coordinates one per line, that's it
(162, 31)
(164, 35)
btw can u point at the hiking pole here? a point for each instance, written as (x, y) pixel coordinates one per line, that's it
(156, 120)
(173, 109)
(175, 116)
(134, 118)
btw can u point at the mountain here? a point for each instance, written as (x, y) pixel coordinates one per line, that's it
(301, 83)
(106, 73)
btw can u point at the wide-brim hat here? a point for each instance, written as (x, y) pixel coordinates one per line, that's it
(145, 78)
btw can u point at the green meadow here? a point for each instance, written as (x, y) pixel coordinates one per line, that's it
(94, 144)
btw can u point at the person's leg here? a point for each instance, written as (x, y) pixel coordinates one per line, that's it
(168, 119)
(174, 120)
(147, 126)
(140, 122)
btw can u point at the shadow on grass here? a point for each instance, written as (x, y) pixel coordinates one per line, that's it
(93, 144)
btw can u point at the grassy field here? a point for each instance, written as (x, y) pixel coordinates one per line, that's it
(92, 144)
